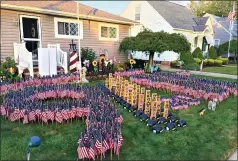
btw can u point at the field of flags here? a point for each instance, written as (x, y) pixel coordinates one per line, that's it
(55, 100)
(199, 88)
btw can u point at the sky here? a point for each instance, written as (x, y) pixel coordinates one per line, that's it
(114, 7)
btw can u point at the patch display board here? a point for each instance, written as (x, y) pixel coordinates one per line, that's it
(142, 90)
(166, 109)
(153, 109)
(154, 97)
(147, 106)
(107, 83)
(141, 102)
(129, 93)
(158, 105)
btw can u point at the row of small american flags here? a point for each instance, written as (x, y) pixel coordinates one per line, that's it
(55, 79)
(207, 89)
(129, 72)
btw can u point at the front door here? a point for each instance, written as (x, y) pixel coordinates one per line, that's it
(31, 34)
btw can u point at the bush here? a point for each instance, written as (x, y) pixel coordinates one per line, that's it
(197, 60)
(174, 64)
(197, 53)
(87, 54)
(10, 62)
(187, 58)
(119, 67)
(192, 66)
(210, 62)
(212, 53)
(224, 60)
(205, 62)
(218, 62)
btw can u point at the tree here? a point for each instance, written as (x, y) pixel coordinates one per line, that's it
(218, 8)
(197, 53)
(87, 54)
(223, 48)
(151, 42)
(212, 53)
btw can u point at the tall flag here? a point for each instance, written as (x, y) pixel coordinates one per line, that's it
(231, 15)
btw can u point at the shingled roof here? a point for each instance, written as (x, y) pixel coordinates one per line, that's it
(178, 16)
(67, 7)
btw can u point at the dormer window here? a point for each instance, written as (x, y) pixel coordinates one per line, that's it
(137, 13)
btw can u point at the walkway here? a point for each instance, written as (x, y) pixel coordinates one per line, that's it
(202, 73)
(233, 156)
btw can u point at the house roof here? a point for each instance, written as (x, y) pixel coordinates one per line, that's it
(226, 24)
(179, 16)
(70, 7)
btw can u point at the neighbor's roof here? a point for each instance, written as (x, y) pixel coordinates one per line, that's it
(178, 16)
(69, 7)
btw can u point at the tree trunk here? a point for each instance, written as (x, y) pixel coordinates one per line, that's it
(151, 60)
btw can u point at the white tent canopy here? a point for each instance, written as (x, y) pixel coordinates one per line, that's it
(164, 56)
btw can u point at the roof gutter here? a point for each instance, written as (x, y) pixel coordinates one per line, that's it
(190, 31)
(63, 14)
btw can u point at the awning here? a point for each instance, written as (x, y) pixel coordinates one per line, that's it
(209, 39)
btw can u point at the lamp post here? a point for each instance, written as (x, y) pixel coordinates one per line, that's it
(33, 142)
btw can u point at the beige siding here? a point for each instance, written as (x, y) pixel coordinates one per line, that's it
(10, 33)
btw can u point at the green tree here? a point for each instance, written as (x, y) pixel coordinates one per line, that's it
(212, 53)
(223, 48)
(187, 58)
(197, 53)
(218, 8)
(87, 54)
(151, 42)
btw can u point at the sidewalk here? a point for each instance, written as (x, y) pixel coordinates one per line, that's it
(233, 156)
(202, 73)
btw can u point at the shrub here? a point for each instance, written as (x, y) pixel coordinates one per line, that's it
(197, 60)
(87, 54)
(10, 62)
(205, 62)
(119, 67)
(174, 64)
(192, 66)
(224, 60)
(218, 62)
(212, 53)
(187, 58)
(197, 53)
(210, 62)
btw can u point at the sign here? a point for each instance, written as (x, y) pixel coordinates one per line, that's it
(147, 106)
(166, 108)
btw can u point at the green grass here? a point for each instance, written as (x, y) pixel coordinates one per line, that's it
(223, 70)
(210, 137)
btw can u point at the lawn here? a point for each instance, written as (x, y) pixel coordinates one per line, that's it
(232, 70)
(211, 137)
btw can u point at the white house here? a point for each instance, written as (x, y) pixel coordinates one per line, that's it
(172, 18)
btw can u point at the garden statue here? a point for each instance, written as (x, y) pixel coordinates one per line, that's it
(82, 71)
(212, 104)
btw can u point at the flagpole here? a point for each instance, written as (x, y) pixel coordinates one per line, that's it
(79, 54)
(230, 28)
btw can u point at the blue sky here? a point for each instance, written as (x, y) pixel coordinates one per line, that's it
(114, 7)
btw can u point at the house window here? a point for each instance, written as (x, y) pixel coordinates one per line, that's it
(216, 42)
(108, 32)
(65, 28)
(195, 41)
(137, 13)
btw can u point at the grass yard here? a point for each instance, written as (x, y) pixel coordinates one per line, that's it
(211, 137)
(232, 70)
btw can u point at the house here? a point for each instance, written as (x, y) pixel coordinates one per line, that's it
(172, 18)
(43, 23)
(222, 30)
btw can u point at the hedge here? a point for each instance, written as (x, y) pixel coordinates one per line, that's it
(218, 62)
(197, 60)
(205, 62)
(197, 53)
(210, 62)
(212, 53)
(224, 60)
(187, 58)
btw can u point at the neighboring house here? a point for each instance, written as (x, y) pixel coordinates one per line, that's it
(221, 27)
(39, 23)
(169, 17)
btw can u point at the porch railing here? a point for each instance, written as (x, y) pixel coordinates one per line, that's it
(24, 58)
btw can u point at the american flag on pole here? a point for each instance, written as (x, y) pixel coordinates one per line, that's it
(231, 15)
